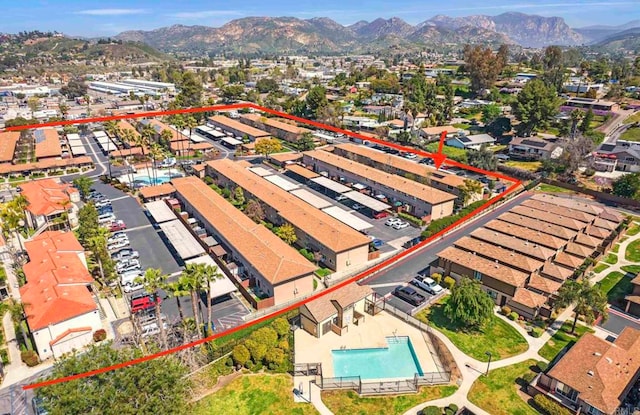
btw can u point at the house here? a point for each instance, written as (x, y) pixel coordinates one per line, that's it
(61, 311)
(275, 127)
(236, 128)
(595, 375)
(633, 299)
(335, 311)
(621, 155)
(470, 142)
(433, 133)
(48, 201)
(598, 106)
(531, 148)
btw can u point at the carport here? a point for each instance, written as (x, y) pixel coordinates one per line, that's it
(159, 211)
(373, 204)
(221, 286)
(315, 201)
(329, 184)
(347, 218)
(260, 171)
(182, 240)
(282, 183)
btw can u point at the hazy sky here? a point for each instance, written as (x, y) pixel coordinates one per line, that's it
(92, 18)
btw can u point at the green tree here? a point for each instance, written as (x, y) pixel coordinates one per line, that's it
(586, 121)
(210, 273)
(18, 315)
(265, 85)
(490, 113)
(87, 223)
(232, 92)
(316, 101)
(192, 279)
(238, 196)
(469, 306)
(190, 123)
(177, 289)
(141, 388)
(553, 66)
(241, 355)
(287, 233)
(482, 66)
(306, 142)
(588, 300)
(535, 106)
(268, 146)
(153, 280)
(483, 158)
(627, 185)
(281, 326)
(469, 189)
(97, 245)
(499, 127)
(256, 349)
(254, 211)
(83, 184)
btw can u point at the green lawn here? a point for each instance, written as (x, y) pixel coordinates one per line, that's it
(451, 152)
(498, 337)
(632, 119)
(524, 165)
(348, 402)
(616, 286)
(633, 251)
(632, 134)
(600, 267)
(254, 395)
(633, 229)
(615, 248)
(633, 269)
(611, 259)
(549, 188)
(498, 392)
(562, 338)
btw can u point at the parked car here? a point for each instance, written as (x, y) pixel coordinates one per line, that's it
(427, 284)
(134, 286)
(380, 215)
(340, 198)
(130, 268)
(410, 156)
(377, 243)
(126, 263)
(356, 206)
(426, 161)
(400, 225)
(118, 225)
(392, 221)
(101, 204)
(122, 243)
(409, 295)
(144, 301)
(105, 209)
(116, 237)
(107, 219)
(125, 254)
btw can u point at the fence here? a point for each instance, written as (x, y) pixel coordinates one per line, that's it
(407, 385)
(600, 196)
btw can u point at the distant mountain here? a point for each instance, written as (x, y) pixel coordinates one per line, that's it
(381, 27)
(429, 34)
(599, 33)
(628, 40)
(524, 29)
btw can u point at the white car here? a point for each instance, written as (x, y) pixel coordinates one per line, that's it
(392, 221)
(400, 225)
(410, 156)
(117, 238)
(118, 245)
(125, 254)
(124, 264)
(427, 284)
(132, 287)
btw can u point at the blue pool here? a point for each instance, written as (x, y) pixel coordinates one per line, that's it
(398, 360)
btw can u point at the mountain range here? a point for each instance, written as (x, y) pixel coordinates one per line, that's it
(323, 35)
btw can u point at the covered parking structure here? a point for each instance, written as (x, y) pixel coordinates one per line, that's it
(347, 218)
(160, 211)
(369, 202)
(220, 286)
(330, 187)
(315, 201)
(182, 240)
(282, 183)
(230, 142)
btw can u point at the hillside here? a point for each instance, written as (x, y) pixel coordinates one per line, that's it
(628, 40)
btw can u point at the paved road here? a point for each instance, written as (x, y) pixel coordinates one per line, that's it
(618, 321)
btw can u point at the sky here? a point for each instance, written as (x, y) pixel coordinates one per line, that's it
(101, 18)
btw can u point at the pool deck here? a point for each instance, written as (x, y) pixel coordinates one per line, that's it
(370, 334)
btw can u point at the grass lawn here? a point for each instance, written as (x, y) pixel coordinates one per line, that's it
(254, 395)
(451, 152)
(616, 286)
(498, 148)
(498, 337)
(633, 229)
(561, 338)
(462, 126)
(543, 187)
(615, 248)
(498, 392)
(634, 269)
(611, 259)
(633, 251)
(524, 165)
(632, 119)
(632, 134)
(600, 267)
(348, 402)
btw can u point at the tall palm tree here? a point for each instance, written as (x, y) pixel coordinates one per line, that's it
(18, 314)
(190, 122)
(166, 137)
(112, 129)
(210, 273)
(588, 300)
(192, 277)
(144, 140)
(180, 123)
(97, 244)
(153, 280)
(156, 153)
(178, 289)
(129, 137)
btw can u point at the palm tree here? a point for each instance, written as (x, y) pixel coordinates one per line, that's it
(111, 127)
(190, 122)
(156, 153)
(177, 289)
(144, 139)
(179, 122)
(18, 314)
(210, 273)
(87, 100)
(589, 301)
(192, 277)
(166, 137)
(98, 246)
(129, 137)
(153, 280)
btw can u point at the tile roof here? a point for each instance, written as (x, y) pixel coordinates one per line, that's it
(8, 141)
(612, 215)
(408, 187)
(504, 256)
(578, 250)
(598, 232)
(283, 157)
(549, 217)
(323, 228)
(47, 143)
(528, 298)
(545, 285)
(157, 191)
(49, 163)
(449, 129)
(600, 370)
(275, 123)
(556, 271)
(605, 224)
(588, 240)
(526, 233)
(556, 231)
(54, 241)
(511, 242)
(559, 210)
(484, 266)
(223, 121)
(52, 304)
(46, 196)
(567, 260)
(276, 261)
(302, 171)
(328, 305)
(573, 203)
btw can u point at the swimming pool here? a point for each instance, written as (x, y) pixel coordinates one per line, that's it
(162, 178)
(398, 360)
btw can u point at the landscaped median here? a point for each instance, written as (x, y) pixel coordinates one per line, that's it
(496, 337)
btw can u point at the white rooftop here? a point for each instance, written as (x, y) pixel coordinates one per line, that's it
(182, 240)
(160, 211)
(347, 218)
(330, 184)
(315, 201)
(370, 202)
(281, 182)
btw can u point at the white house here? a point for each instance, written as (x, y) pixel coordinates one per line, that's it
(470, 142)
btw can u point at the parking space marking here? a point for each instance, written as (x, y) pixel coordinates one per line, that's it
(136, 228)
(119, 198)
(388, 284)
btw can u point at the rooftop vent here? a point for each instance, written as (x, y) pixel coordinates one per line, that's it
(590, 373)
(609, 360)
(597, 354)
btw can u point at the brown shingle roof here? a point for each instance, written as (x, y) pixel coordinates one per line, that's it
(326, 306)
(325, 229)
(545, 285)
(578, 250)
(8, 142)
(268, 254)
(538, 225)
(486, 267)
(238, 126)
(549, 217)
(553, 270)
(567, 260)
(587, 240)
(559, 210)
(599, 370)
(528, 298)
(526, 233)
(275, 123)
(573, 203)
(605, 224)
(504, 256)
(511, 242)
(598, 232)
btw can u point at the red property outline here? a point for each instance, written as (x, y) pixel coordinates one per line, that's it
(439, 158)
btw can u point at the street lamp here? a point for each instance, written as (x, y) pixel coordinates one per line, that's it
(489, 363)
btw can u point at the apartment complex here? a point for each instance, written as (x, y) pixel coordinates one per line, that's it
(237, 128)
(273, 268)
(418, 199)
(525, 255)
(48, 200)
(340, 246)
(282, 130)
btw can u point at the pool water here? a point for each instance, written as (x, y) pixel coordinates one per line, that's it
(161, 179)
(398, 360)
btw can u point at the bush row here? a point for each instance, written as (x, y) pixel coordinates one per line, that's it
(549, 407)
(411, 219)
(439, 224)
(266, 346)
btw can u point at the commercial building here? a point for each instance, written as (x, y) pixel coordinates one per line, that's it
(61, 311)
(415, 198)
(237, 128)
(340, 247)
(48, 202)
(275, 127)
(273, 268)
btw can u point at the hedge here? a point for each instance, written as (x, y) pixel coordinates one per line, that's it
(30, 358)
(549, 407)
(439, 224)
(449, 282)
(432, 410)
(513, 316)
(411, 218)
(536, 332)
(505, 310)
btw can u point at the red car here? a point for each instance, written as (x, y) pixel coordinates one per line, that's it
(380, 215)
(117, 226)
(144, 302)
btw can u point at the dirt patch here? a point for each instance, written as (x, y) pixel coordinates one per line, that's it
(222, 382)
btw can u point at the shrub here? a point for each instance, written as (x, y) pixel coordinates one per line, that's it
(505, 310)
(453, 407)
(99, 335)
(536, 332)
(439, 224)
(528, 377)
(513, 316)
(309, 255)
(542, 365)
(549, 407)
(449, 282)
(411, 219)
(437, 277)
(284, 345)
(240, 355)
(208, 180)
(431, 410)
(269, 225)
(30, 358)
(281, 326)
(4, 356)
(449, 411)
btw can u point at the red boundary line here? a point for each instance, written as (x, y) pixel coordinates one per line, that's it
(360, 276)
